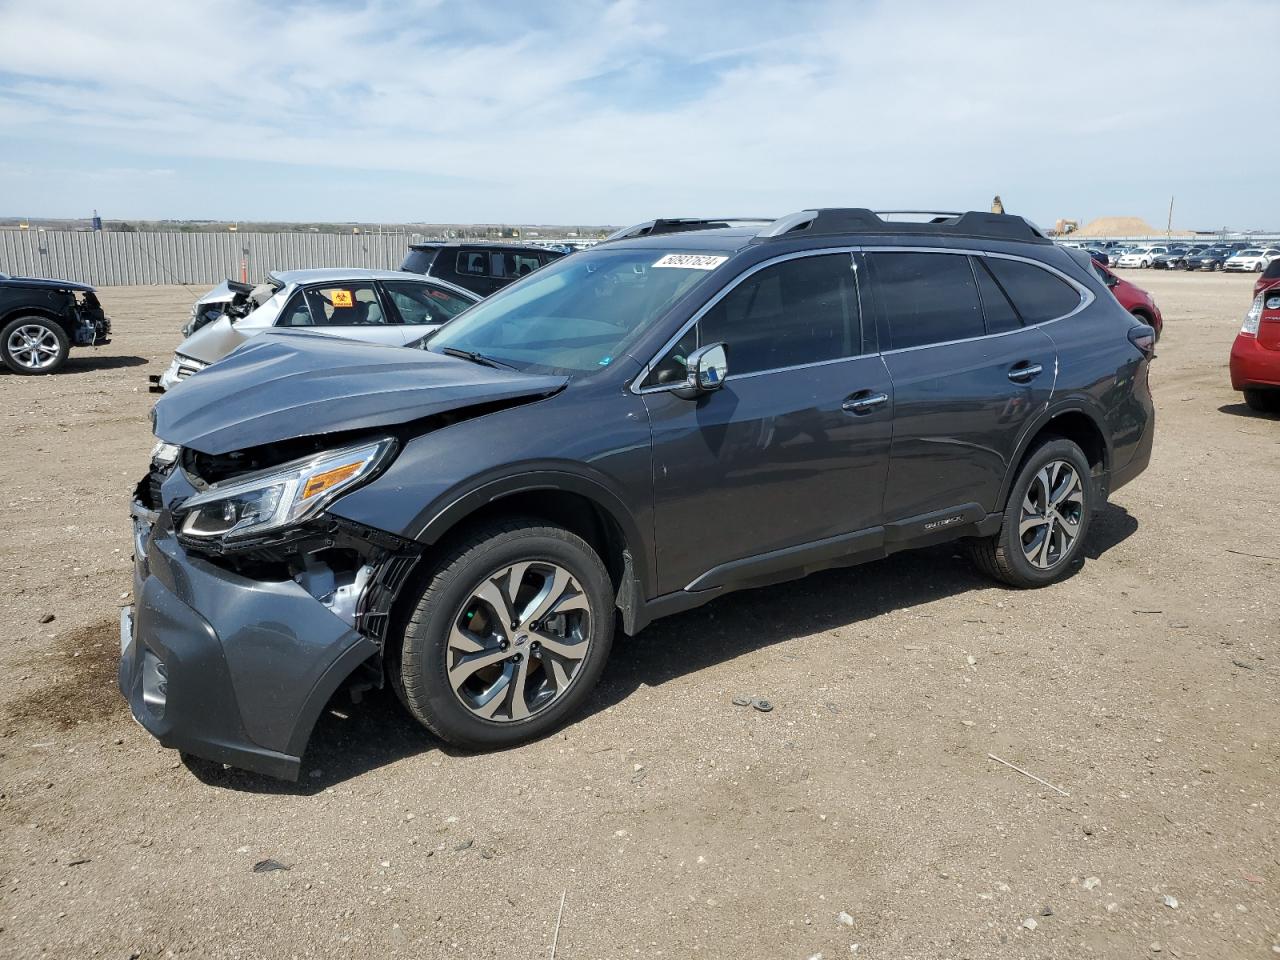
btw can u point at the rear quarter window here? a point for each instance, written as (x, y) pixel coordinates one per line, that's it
(1272, 271)
(418, 261)
(1038, 294)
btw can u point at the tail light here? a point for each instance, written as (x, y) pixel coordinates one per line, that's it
(1144, 338)
(1250, 326)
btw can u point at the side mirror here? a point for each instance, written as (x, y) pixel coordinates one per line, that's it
(1112, 280)
(707, 369)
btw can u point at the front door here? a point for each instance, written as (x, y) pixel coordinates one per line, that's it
(968, 375)
(791, 451)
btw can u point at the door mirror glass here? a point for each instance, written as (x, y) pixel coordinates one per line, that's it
(708, 368)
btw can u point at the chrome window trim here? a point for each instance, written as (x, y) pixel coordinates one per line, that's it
(1086, 298)
(724, 292)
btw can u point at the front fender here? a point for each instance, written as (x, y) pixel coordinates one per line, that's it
(442, 477)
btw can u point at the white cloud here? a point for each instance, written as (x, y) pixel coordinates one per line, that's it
(599, 111)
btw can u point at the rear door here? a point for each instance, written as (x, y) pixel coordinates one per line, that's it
(968, 375)
(473, 268)
(792, 450)
(345, 309)
(421, 307)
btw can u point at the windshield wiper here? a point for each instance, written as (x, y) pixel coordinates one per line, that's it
(474, 357)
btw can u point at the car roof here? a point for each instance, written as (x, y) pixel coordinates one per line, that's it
(486, 244)
(719, 238)
(347, 274)
(321, 274)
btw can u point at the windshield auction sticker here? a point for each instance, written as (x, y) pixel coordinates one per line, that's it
(690, 261)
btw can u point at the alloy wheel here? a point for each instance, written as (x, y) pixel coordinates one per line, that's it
(519, 641)
(33, 346)
(1051, 513)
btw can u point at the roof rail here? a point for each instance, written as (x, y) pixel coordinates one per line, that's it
(683, 225)
(831, 220)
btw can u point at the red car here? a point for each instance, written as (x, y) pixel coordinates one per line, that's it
(1269, 277)
(1255, 356)
(1133, 298)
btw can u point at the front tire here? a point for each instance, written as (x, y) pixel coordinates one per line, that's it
(509, 636)
(33, 345)
(1045, 521)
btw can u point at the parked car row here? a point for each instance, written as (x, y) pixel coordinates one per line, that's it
(620, 435)
(1237, 255)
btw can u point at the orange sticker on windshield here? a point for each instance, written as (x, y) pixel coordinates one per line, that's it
(342, 298)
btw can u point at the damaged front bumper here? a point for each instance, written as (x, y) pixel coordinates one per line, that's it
(93, 327)
(227, 667)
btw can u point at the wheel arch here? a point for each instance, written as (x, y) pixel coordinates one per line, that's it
(1077, 421)
(27, 310)
(583, 505)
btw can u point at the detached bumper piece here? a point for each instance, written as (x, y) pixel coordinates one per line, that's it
(227, 668)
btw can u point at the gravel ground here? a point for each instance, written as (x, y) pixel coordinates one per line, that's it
(861, 816)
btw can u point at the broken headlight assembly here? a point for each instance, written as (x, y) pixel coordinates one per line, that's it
(273, 500)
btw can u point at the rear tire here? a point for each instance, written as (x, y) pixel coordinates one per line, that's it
(1051, 500)
(1264, 401)
(509, 636)
(33, 346)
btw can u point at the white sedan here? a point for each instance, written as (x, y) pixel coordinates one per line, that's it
(1253, 260)
(377, 306)
(1140, 257)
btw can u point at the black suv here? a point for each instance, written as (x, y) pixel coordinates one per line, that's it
(41, 319)
(482, 268)
(627, 433)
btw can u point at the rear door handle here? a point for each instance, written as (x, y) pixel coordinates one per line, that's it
(1025, 372)
(864, 402)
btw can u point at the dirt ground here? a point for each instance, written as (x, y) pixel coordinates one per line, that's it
(860, 817)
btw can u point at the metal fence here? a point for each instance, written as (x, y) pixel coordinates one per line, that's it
(117, 259)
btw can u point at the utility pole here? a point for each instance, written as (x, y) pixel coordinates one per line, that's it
(1168, 227)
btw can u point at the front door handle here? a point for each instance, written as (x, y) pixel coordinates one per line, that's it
(1025, 372)
(864, 402)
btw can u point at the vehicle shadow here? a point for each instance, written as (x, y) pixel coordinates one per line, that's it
(83, 363)
(353, 739)
(1246, 411)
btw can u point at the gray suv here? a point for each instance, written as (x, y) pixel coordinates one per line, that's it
(625, 434)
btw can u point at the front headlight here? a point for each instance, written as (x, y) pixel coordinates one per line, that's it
(280, 497)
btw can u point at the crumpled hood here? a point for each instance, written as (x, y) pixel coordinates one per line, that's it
(285, 385)
(213, 341)
(47, 284)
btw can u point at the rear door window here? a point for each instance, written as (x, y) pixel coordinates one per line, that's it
(473, 263)
(423, 303)
(995, 305)
(1038, 294)
(927, 298)
(345, 305)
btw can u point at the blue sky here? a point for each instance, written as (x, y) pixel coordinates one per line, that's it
(614, 111)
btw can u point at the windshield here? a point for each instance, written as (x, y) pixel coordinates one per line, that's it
(1249, 253)
(578, 314)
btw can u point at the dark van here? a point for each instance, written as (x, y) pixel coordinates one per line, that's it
(482, 268)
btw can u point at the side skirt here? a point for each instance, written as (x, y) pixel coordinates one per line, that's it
(792, 563)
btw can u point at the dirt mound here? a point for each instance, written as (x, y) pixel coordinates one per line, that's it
(1117, 227)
